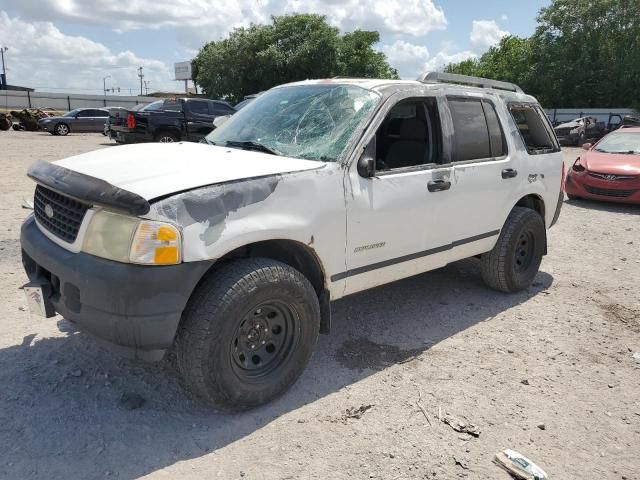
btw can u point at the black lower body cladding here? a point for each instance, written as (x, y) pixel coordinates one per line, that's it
(132, 306)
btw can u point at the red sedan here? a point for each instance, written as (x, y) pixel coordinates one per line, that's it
(608, 170)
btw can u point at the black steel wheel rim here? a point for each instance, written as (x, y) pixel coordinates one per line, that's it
(264, 340)
(524, 251)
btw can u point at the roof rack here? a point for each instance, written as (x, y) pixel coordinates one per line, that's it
(441, 77)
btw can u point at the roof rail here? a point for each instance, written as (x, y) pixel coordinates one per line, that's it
(441, 77)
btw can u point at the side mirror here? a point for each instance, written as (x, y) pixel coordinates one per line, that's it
(218, 121)
(587, 146)
(367, 162)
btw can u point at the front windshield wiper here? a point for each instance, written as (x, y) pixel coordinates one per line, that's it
(207, 141)
(250, 145)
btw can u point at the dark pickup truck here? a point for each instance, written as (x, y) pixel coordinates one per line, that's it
(171, 120)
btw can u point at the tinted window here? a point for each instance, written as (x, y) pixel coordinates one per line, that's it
(496, 136)
(471, 135)
(222, 109)
(85, 113)
(100, 113)
(534, 128)
(200, 108)
(159, 105)
(171, 106)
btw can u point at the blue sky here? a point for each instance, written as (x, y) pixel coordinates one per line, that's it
(70, 45)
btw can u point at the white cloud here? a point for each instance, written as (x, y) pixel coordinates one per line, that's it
(406, 57)
(443, 58)
(504, 18)
(486, 33)
(40, 55)
(199, 20)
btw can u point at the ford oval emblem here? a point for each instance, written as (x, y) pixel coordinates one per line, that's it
(48, 210)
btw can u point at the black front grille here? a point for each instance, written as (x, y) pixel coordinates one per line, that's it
(605, 192)
(67, 213)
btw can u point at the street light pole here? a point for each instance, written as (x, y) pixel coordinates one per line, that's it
(3, 84)
(104, 84)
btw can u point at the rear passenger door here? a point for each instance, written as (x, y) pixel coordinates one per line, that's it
(484, 171)
(199, 119)
(97, 120)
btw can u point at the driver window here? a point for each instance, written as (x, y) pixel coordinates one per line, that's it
(409, 136)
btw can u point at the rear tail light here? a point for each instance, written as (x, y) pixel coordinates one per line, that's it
(131, 121)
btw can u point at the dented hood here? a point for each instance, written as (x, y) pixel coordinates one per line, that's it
(158, 169)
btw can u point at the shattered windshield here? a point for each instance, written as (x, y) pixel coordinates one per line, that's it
(313, 122)
(620, 143)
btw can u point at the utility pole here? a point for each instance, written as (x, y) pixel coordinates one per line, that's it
(141, 77)
(3, 80)
(146, 86)
(104, 84)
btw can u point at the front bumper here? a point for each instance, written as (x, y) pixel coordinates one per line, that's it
(585, 186)
(46, 127)
(135, 307)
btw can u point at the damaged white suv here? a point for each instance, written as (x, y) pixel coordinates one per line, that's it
(234, 248)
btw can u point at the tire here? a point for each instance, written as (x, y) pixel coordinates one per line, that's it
(514, 261)
(61, 129)
(581, 139)
(167, 137)
(250, 302)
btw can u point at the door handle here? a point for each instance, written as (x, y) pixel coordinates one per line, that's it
(509, 173)
(438, 185)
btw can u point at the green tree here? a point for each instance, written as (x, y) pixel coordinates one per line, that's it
(291, 48)
(582, 54)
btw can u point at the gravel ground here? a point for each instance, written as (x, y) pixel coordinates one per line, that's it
(552, 372)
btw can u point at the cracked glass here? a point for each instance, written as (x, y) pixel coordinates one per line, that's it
(313, 122)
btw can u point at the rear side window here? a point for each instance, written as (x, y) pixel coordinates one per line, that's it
(222, 109)
(477, 131)
(172, 106)
(199, 108)
(534, 128)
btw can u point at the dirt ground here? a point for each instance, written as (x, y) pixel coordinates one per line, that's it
(553, 372)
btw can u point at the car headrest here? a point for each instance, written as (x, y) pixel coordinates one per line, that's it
(413, 129)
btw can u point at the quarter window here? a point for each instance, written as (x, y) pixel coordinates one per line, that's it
(534, 128)
(477, 131)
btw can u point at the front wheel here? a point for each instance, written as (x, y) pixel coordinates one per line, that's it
(247, 333)
(61, 129)
(515, 259)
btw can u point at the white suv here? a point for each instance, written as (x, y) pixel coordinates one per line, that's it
(233, 249)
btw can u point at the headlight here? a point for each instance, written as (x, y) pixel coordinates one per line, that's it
(155, 243)
(132, 240)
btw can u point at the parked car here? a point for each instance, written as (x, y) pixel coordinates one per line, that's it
(578, 131)
(246, 100)
(233, 250)
(608, 170)
(171, 120)
(80, 120)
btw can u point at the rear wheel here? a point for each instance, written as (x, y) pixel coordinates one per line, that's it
(167, 137)
(247, 333)
(61, 129)
(515, 259)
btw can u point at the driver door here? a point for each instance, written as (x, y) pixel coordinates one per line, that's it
(396, 218)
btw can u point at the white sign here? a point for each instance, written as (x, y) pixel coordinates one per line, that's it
(182, 70)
